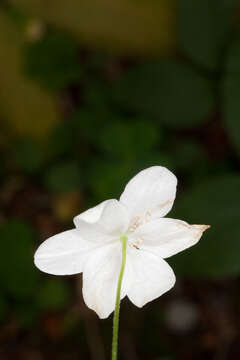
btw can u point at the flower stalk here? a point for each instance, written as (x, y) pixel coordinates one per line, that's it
(118, 299)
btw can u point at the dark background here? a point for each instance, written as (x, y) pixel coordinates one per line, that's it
(91, 92)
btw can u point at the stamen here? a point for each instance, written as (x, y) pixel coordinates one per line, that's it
(139, 220)
(147, 216)
(136, 222)
(136, 244)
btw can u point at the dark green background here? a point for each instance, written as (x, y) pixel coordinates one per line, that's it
(116, 115)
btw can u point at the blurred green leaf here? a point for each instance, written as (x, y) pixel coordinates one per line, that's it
(204, 28)
(17, 273)
(188, 154)
(18, 17)
(29, 155)
(108, 25)
(53, 61)
(81, 131)
(169, 91)
(2, 168)
(129, 139)
(3, 307)
(61, 140)
(152, 158)
(53, 295)
(25, 106)
(26, 314)
(96, 94)
(190, 158)
(231, 93)
(87, 124)
(107, 178)
(215, 202)
(229, 3)
(63, 177)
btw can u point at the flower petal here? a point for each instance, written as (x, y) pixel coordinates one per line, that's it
(63, 254)
(100, 278)
(113, 222)
(166, 237)
(148, 276)
(152, 192)
(115, 217)
(91, 215)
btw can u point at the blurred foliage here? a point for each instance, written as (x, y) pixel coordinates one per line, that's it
(19, 279)
(231, 91)
(63, 177)
(24, 106)
(28, 155)
(3, 308)
(77, 122)
(156, 90)
(16, 267)
(204, 30)
(53, 61)
(53, 295)
(217, 254)
(66, 204)
(110, 25)
(144, 135)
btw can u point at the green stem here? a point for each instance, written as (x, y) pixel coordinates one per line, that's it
(118, 294)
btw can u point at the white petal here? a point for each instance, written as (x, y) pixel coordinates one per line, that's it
(100, 278)
(63, 254)
(115, 217)
(148, 277)
(91, 215)
(113, 222)
(166, 237)
(152, 191)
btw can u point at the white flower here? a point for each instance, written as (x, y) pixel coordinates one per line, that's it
(94, 246)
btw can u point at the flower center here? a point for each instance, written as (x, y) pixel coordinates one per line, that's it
(135, 242)
(136, 222)
(139, 220)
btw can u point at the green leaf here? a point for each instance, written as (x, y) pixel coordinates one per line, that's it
(29, 155)
(61, 140)
(53, 61)
(229, 4)
(129, 139)
(152, 158)
(96, 94)
(3, 307)
(87, 124)
(63, 177)
(18, 17)
(169, 91)
(230, 93)
(204, 29)
(128, 27)
(215, 202)
(17, 272)
(26, 108)
(26, 314)
(190, 158)
(53, 295)
(106, 178)
(188, 154)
